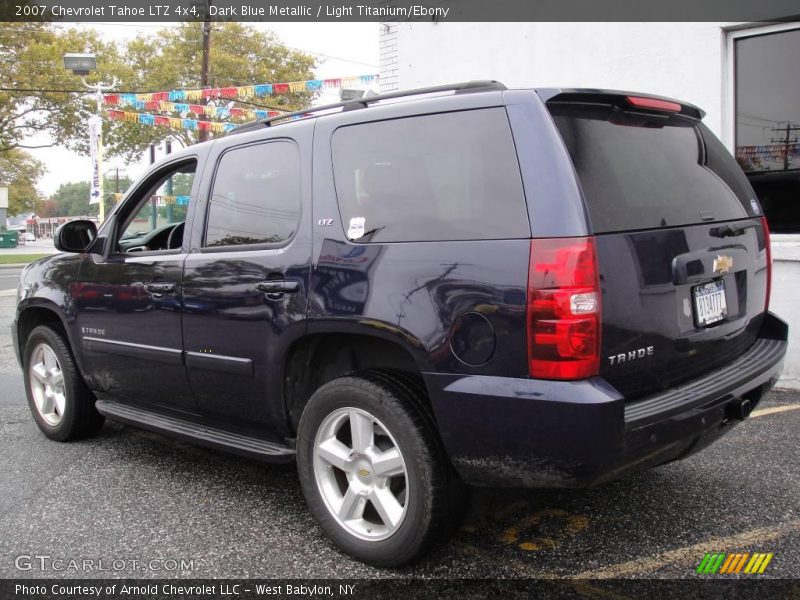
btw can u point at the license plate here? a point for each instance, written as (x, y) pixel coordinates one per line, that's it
(709, 303)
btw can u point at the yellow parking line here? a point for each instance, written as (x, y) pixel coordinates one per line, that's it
(761, 412)
(690, 555)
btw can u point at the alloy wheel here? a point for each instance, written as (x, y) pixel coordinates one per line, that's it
(47, 384)
(361, 474)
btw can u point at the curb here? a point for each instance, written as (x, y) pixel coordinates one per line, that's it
(13, 265)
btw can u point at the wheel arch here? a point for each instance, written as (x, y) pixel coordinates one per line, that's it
(318, 358)
(43, 313)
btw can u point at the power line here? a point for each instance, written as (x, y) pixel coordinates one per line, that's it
(57, 91)
(786, 142)
(752, 116)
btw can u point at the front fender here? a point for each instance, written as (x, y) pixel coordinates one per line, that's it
(48, 289)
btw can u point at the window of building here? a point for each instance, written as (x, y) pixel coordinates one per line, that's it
(256, 196)
(767, 101)
(451, 176)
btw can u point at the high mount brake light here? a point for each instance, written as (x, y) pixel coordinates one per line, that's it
(655, 103)
(563, 309)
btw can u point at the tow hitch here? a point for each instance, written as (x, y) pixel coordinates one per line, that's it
(739, 409)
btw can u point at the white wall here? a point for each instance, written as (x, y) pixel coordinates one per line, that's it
(681, 60)
(785, 301)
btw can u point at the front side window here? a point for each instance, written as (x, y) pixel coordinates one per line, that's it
(451, 176)
(159, 211)
(256, 196)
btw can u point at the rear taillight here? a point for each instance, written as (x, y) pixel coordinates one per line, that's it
(563, 313)
(768, 246)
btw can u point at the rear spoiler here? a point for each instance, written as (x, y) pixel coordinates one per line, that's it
(627, 101)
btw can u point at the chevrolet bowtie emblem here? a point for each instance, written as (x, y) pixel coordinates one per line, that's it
(723, 264)
(363, 472)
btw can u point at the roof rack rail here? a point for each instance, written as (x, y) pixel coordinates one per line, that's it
(464, 87)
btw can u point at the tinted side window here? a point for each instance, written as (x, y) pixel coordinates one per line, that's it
(256, 196)
(450, 176)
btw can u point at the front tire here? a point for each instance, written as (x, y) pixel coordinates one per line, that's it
(372, 469)
(61, 404)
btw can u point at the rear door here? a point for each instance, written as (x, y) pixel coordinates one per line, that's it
(681, 249)
(245, 281)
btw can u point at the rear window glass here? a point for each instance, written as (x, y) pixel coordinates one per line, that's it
(450, 176)
(640, 172)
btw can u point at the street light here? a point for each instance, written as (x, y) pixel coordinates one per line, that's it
(80, 64)
(83, 64)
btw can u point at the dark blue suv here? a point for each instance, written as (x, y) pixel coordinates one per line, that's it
(409, 292)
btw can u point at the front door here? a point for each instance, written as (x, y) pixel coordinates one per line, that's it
(128, 305)
(244, 286)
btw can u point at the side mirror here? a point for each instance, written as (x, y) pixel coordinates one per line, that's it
(75, 236)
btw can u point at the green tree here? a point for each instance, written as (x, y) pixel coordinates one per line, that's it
(72, 199)
(42, 104)
(171, 59)
(19, 172)
(36, 108)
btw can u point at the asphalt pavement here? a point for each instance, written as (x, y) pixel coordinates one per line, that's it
(8, 280)
(149, 502)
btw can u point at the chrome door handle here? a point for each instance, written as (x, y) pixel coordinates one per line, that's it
(159, 288)
(278, 286)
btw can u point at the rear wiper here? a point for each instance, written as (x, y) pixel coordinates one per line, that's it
(731, 230)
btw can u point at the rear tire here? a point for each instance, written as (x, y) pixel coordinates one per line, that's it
(61, 404)
(372, 468)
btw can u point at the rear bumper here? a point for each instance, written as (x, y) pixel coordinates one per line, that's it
(535, 433)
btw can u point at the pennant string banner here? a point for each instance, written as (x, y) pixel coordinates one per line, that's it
(208, 110)
(174, 122)
(245, 91)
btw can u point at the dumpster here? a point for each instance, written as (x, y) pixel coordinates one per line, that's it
(8, 239)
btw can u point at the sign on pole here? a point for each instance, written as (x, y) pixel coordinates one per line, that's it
(95, 152)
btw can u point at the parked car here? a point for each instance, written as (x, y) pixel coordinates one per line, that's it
(29, 237)
(546, 288)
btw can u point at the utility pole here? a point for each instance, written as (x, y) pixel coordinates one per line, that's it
(203, 136)
(787, 141)
(153, 205)
(170, 206)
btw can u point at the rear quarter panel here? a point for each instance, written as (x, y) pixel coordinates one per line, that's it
(414, 292)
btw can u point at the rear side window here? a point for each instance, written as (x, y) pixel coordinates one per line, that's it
(256, 196)
(647, 171)
(451, 176)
